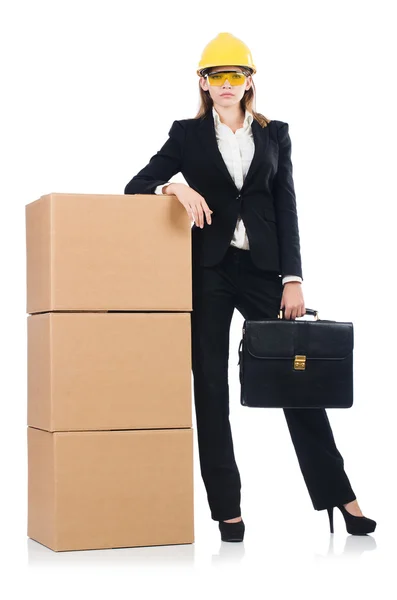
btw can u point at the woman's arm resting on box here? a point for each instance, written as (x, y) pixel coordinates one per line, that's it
(162, 165)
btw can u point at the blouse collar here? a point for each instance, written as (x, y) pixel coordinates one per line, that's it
(247, 119)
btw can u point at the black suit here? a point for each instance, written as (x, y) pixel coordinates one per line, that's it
(225, 278)
(266, 201)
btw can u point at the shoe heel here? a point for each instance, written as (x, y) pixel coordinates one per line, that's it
(331, 518)
(232, 532)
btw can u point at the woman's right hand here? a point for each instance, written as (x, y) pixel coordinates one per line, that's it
(193, 202)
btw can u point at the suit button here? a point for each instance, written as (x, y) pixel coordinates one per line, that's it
(238, 197)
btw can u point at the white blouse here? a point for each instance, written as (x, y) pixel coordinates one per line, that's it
(237, 150)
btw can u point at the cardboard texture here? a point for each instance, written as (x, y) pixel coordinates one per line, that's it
(109, 412)
(97, 371)
(107, 252)
(110, 489)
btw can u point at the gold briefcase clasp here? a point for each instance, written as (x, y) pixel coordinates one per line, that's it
(300, 362)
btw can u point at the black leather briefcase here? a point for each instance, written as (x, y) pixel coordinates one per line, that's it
(296, 363)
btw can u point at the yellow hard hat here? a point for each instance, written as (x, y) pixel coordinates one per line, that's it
(225, 49)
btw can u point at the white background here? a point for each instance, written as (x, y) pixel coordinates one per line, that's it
(89, 92)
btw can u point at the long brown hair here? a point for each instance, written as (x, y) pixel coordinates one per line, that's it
(247, 101)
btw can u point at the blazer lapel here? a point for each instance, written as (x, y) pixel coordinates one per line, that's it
(207, 136)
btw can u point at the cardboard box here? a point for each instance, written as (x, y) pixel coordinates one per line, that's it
(110, 489)
(103, 371)
(90, 252)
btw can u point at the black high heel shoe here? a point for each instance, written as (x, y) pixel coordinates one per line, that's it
(354, 525)
(232, 532)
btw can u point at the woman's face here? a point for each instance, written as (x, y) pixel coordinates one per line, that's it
(216, 91)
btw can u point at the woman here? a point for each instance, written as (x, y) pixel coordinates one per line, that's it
(245, 255)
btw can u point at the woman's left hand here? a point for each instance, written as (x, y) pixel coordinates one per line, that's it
(292, 300)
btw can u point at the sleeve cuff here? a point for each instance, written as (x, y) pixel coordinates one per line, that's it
(288, 278)
(159, 188)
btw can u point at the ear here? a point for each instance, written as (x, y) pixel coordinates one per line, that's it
(203, 83)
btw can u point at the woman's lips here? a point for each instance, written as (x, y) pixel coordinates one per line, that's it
(227, 95)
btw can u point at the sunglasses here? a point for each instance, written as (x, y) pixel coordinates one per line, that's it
(219, 77)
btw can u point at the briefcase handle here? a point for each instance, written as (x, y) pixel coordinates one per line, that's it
(309, 311)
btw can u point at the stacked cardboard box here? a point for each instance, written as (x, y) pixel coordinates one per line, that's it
(109, 412)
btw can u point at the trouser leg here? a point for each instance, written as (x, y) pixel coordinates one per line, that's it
(213, 306)
(320, 461)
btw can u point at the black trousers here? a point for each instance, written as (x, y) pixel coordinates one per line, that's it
(237, 283)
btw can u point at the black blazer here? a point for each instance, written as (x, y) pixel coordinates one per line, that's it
(266, 201)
